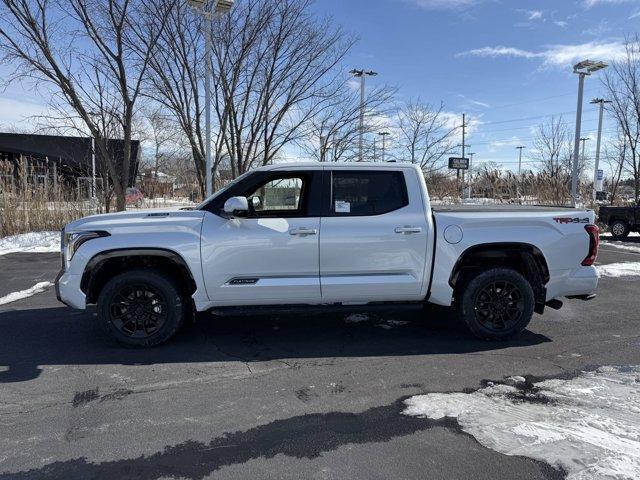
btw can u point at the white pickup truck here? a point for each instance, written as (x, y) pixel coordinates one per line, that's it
(329, 235)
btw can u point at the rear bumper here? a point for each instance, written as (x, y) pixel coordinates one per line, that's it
(579, 283)
(68, 290)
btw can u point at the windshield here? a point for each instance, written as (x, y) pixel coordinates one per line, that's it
(222, 190)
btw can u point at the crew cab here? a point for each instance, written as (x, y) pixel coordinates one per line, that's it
(620, 220)
(326, 236)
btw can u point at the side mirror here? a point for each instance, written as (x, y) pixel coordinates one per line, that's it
(236, 206)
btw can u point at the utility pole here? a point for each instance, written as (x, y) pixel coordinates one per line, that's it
(519, 171)
(464, 131)
(362, 74)
(384, 144)
(601, 102)
(471, 154)
(375, 153)
(584, 141)
(582, 69)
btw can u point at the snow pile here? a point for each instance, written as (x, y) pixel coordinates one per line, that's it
(35, 242)
(622, 246)
(590, 425)
(356, 318)
(619, 269)
(29, 292)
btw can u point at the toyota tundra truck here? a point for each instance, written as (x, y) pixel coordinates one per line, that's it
(321, 235)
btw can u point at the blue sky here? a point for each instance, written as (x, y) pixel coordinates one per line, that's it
(498, 61)
(507, 64)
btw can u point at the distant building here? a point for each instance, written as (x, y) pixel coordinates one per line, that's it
(50, 161)
(157, 184)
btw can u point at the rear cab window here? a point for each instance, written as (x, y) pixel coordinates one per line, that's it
(355, 193)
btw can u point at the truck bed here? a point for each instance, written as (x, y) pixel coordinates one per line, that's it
(499, 208)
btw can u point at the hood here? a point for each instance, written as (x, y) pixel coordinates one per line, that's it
(137, 219)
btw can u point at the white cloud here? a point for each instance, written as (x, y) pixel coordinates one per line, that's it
(498, 51)
(561, 23)
(556, 55)
(635, 15)
(18, 114)
(593, 3)
(534, 14)
(444, 4)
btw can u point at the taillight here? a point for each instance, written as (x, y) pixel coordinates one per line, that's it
(594, 243)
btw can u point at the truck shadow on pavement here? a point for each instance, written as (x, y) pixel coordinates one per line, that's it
(61, 336)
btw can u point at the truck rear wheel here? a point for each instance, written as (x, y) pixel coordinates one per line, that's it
(142, 307)
(496, 304)
(619, 229)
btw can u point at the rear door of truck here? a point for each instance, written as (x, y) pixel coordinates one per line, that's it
(374, 235)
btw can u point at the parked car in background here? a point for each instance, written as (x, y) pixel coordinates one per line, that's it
(320, 236)
(134, 196)
(620, 220)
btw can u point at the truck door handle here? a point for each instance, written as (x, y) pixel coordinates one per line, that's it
(303, 231)
(408, 230)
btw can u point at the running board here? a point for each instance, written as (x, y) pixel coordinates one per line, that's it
(323, 308)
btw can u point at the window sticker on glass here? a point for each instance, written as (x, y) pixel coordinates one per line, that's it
(343, 207)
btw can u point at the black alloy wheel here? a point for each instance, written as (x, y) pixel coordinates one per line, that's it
(499, 306)
(138, 311)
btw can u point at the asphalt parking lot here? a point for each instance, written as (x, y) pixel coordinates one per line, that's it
(286, 397)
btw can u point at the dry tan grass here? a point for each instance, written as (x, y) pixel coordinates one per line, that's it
(28, 208)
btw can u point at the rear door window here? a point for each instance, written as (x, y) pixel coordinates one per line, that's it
(365, 193)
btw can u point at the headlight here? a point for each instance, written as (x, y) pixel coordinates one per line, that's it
(72, 241)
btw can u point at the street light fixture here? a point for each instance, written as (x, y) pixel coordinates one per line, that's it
(362, 74)
(582, 69)
(206, 8)
(601, 102)
(384, 144)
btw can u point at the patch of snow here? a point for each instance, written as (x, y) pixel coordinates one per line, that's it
(389, 324)
(616, 270)
(608, 234)
(589, 425)
(33, 242)
(357, 318)
(29, 292)
(622, 246)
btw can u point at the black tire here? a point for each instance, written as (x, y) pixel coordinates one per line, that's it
(502, 314)
(619, 229)
(142, 308)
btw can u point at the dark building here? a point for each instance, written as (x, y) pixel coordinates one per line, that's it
(27, 159)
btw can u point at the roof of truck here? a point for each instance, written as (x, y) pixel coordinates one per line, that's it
(347, 165)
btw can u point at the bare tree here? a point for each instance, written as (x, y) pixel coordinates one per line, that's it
(426, 136)
(332, 133)
(276, 68)
(552, 147)
(87, 51)
(175, 81)
(622, 83)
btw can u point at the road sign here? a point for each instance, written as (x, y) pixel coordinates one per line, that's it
(600, 175)
(456, 163)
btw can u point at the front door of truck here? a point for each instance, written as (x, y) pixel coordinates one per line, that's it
(270, 257)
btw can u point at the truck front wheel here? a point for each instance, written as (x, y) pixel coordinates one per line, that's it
(141, 307)
(496, 304)
(619, 229)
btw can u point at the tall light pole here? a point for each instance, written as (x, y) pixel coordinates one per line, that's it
(519, 170)
(362, 74)
(601, 102)
(207, 8)
(582, 69)
(384, 144)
